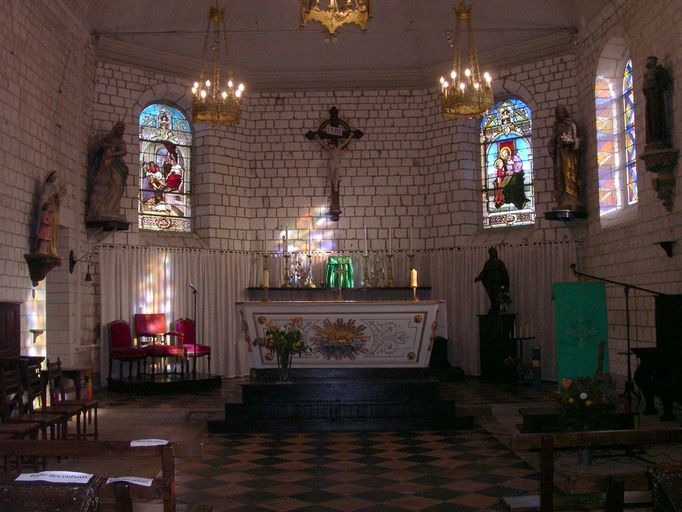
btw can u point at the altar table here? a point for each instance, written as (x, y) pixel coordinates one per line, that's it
(356, 334)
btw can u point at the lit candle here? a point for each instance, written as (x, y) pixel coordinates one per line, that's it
(265, 281)
(390, 240)
(413, 278)
(365, 228)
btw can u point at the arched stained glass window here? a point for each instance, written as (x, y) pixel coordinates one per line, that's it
(507, 163)
(616, 152)
(165, 168)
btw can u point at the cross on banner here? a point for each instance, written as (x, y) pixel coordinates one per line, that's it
(333, 135)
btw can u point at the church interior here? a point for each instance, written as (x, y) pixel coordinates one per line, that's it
(337, 253)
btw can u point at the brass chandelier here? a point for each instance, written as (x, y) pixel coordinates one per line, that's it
(337, 13)
(213, 101)
(464, 94)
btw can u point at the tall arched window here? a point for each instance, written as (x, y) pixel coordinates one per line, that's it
(507, 163)
(616, 153)
(165, 167)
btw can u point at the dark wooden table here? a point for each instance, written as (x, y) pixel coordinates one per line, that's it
(76, 375)
(48, 497)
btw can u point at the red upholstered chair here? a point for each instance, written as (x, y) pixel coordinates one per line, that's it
(152, 327)
(187, 330)
(122, 349)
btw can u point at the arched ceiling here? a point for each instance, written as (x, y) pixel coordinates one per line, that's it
(406, 41)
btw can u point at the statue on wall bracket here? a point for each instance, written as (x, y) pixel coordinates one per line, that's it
(565, 148)
(659, 156)
(333, 135)
(107, 175)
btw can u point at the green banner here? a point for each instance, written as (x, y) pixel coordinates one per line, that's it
(580, 325)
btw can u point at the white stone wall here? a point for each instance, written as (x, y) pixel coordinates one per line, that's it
(627, 251)
(45, 99)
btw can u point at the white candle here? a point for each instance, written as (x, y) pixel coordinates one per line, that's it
(265, 281)
(365, 228)
(413, 278)
(390, 240)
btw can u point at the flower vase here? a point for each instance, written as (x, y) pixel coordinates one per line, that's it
(284, 364)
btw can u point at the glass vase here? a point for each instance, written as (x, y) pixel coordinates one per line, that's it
(284, 364)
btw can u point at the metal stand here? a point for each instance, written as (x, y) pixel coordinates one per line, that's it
(365, 270)
(287, 271)
(389, 270)
(309, 281)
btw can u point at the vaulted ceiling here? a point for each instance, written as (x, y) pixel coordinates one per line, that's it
(406, 41)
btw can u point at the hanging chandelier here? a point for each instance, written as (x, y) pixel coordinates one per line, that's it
(464, 94)
(337, 13)
(214, 101)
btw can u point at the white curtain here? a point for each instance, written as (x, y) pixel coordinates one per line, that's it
(156, 280)
(533, 270)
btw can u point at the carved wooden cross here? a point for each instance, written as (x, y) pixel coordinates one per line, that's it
(334, 134)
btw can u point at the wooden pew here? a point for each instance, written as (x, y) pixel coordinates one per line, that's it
(612, 496)
(162, 488)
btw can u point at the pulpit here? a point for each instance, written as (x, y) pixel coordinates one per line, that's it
(497, 345)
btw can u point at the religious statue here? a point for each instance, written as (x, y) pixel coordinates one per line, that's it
(495, 280)
(564, 147)
(107, 174)
(656, 82)
(48, 216)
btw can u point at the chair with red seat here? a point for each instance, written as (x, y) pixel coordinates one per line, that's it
(122, 348)
(187, 329)
(152, 327)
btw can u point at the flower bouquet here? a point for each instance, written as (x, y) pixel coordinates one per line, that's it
(586, 404)
(284, 341)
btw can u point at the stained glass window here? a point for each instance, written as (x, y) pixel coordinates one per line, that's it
(629, 124)
(616, 153)
(507, 163)
(165, 167)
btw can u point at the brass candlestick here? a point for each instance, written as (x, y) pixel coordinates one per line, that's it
(287, 274)
(389, 270)
(414, 294)
(309, 281)
(365, 270)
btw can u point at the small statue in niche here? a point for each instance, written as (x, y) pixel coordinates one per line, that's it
(107, 174)
(495, 280)
(47, 230)
(564, 147)
(656, 82)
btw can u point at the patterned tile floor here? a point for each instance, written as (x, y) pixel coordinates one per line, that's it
(462, 470)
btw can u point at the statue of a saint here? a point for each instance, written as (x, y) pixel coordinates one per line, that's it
(107, 175)
(564, 147)
(656, 82)
(495, 280)
(48, 216)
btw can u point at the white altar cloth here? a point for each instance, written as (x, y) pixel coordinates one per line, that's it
(354, 334)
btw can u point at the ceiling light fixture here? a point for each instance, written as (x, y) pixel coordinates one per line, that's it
(337, 13)
(213, 101)
(464, 94)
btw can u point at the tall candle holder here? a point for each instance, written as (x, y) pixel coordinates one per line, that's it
(389, 270)
(309, 281)
(414, 294)
(266, 277)
(287, 271)
(365, 270)
(338, 271)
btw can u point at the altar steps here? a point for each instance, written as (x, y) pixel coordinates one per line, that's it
(341, 400)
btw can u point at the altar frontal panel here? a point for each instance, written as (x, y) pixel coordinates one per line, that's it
(348, 334)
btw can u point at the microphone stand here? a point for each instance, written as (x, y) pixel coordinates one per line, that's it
(629, 384)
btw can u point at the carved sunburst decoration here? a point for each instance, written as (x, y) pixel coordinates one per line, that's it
(339, 340)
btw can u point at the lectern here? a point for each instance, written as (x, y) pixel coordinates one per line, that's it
(496, 345)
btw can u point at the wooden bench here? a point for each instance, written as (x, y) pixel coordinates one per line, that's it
(611, 495)
(162, 488)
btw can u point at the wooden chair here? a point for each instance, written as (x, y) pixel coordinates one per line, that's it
(122, 348)
(12, 408)
(87, 408)
(152, 327)
(187, 330)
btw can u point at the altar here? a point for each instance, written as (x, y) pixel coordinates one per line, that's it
(348, 334)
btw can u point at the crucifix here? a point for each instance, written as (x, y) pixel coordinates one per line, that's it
(333, 135)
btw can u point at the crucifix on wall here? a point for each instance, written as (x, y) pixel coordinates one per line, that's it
(333, 135)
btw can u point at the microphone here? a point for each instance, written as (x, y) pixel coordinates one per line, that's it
(192, 287)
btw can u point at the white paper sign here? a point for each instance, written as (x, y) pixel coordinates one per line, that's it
(57, 477)
(135, 480)
(148, 442)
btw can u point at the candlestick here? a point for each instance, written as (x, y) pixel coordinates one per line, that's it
(286, 239)
(285, 283)
(389, 270)
(413, 278)
(366, 252)
(265, 236)
(390, 240)
(339, 272)
(365, 270)
(310, 241)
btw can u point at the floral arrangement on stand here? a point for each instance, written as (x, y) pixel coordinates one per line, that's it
(284, 341)
(586, 403)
